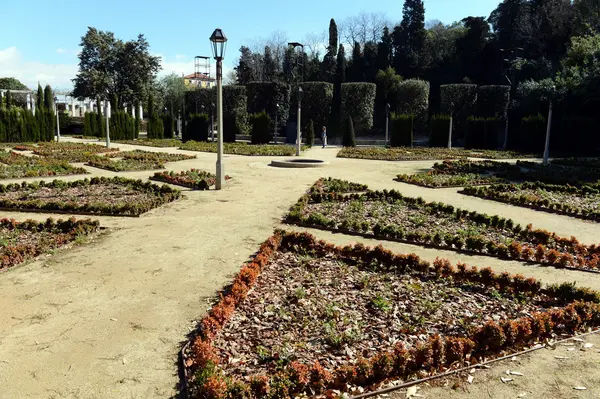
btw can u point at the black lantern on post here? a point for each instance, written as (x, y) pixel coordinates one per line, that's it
(387, 124)
(219, 43)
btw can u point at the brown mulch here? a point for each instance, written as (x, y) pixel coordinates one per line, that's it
(324, 309)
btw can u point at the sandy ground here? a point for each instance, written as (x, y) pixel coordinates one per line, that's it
(106, 319)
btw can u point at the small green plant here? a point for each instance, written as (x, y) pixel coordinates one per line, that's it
(300, 293)
(381, 303)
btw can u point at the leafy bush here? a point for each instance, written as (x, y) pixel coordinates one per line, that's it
(197, 128)
(349, 139)
(413, 99)
(264, 96)
(439, 126)
(358, 101)
(401, 130)
(464, 98)
(310, 134)
(493, 101)
(261, 132)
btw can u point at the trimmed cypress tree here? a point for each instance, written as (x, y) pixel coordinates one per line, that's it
(39, 101)
(8, 99)
(349, 139)
(310, 133)
(48, 97)
(99, 120)
(1, 101)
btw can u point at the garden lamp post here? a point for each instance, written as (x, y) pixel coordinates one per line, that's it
(57, 119)
(275, 132)
(212, 122)
(107, 112)
(298, 133)
(387, 124)
(548, 127)
(450, 128)
(219, 42)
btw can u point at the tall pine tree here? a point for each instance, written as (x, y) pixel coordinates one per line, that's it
(329, 61)
(333, 38)
(385, 50)
(409, 40)
(357, 67)
(333, 129)
(39, 101)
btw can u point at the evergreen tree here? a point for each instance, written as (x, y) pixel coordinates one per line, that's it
(48, 97)
(99, 120)
(114, 102)
(385, 50)
(333, 38)
(39, 101)
(357, 67)
(8, 100)
(349, 139)
(269, 66)
(244, 71)
(470, 48)
(409, 40)
(340, 77)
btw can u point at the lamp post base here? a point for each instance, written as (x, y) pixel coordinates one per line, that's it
(220, 181)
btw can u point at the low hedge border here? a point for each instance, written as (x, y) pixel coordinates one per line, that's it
(162, 143)
(65, 230)
(580, 310)
(500, 192)
(163, 194)
(243, 148)
(141, 155)
(582, 257)
(421, 179)
(424, 154)
(195, 179)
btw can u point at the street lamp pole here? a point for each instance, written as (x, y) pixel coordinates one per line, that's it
(387, 124)
(298, 132)
(548, 128)
(57, 119)
(219, 41)
(450, 129)
(107, 112)
(276, 127)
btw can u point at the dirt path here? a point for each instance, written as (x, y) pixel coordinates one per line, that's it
(106, 319)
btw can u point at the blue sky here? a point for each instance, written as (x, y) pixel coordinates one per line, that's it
(39, 39)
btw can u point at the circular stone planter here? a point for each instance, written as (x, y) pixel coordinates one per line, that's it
(299, 163)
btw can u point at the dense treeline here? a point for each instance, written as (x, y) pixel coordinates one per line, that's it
(539, 49)
(21, 125)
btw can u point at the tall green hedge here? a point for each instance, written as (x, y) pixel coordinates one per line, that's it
(20, 125)
(168, 125)
(493, 101)
(122, 126)
(439, 126)
(316, 104)
(261, 130)
(197, 128)
(401, 130)
(358, 102)
(412, 98)
(264, 96)
(235, 112)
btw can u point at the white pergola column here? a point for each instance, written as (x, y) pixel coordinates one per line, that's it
(28, 101)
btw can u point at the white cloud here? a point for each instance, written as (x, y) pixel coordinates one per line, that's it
(61, 51)
(12, 64)
(30, 73)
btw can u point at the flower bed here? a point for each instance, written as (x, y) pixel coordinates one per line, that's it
(584, 162)
(458, 173)
(581, 202)
(331, 185)
(289, 326)
(29, 239)
(424, 153)
(193, 178)
(152, 143)
(99, 195)
(19, 166)
(391, 216)
(124, 165)
(71, 152)
(242, 148)
(141, 155)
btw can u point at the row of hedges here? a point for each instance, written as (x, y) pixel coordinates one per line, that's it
(18, 125)
(197, 128)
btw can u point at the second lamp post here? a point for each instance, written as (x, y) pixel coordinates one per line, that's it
(219, 42)
(298, 132)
